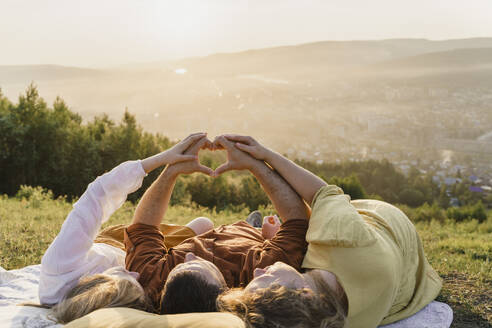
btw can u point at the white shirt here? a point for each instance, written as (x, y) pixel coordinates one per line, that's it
(73, 253)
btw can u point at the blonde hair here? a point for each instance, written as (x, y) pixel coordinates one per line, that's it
(278, 306)
(100, 291)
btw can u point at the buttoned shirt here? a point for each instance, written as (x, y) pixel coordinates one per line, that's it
(376, 254)
(236, 249)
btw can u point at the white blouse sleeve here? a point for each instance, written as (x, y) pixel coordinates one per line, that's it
(69, 257)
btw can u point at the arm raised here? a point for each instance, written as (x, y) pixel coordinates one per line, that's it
(305, 183)
(174, 154)
(155, 201)
(284, 198)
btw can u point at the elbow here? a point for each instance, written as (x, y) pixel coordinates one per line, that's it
(298, 212)
(310, 196)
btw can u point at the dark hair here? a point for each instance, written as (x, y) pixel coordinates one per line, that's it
(189, 292)
(279, 306)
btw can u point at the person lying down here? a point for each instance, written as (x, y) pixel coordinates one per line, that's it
(83, 270)
(356, 250)
(79, 261)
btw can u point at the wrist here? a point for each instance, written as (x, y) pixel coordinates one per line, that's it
(257, 167)
(172, 171)
(151, 163)
(163, 158)
(268, 155)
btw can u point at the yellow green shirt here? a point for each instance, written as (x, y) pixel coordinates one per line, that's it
(376, 255)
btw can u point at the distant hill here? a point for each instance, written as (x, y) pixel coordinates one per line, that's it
(334, 55)
(28, 73)
(457, 58)
(316, 58)
(268, 91)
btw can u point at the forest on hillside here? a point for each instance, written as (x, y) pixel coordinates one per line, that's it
(51, 148)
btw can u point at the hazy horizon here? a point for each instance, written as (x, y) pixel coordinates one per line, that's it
(115, 33)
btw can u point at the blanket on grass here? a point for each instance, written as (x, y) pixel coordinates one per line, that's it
(18, 286)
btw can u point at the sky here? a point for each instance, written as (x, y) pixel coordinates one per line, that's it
(109, 33)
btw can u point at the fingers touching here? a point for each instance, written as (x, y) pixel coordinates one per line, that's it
(244, 147)
(221, 142)
(222, 169)
(239, 152)
(206, 170)
(201, 142)
(238, 138)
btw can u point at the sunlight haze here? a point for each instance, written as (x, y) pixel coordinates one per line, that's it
(118, 32)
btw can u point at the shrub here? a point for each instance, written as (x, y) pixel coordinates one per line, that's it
(476, 211)
(38, 192)
(180, 196)
(350, 185)
(424, 213)
(251, 194)
(35, 195)
(212, 193)
(412, 197)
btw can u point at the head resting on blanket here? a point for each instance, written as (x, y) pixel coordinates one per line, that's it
(285, 302)
(192, 286)
(101, 291)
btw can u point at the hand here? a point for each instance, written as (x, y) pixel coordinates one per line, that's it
(174, 154)
(271, 224)
(249, 145)
(236, 159)
(192, 166)
(177, 153)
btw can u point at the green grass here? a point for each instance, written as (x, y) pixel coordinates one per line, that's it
(462, 255)
(460, 252)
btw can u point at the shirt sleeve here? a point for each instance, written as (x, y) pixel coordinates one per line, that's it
(66, 259)
(288, 246)
(335, 221)
(146, 252)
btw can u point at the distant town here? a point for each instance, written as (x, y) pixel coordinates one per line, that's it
(422, 105)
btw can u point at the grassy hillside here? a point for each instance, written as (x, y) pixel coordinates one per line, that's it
(460, 252)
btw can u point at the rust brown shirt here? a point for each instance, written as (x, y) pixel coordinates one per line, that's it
(236, 249)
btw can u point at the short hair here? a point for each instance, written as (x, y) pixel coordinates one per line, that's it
(188, 292)
(100, 291)
(279, 306)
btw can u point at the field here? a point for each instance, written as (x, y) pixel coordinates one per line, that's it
(460, 252)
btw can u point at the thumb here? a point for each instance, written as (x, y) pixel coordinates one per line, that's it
(185, 158)
(195, 148)
(221, 169)
(206, 170)
(189, 141)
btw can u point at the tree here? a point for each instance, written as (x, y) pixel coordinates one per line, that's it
(443, 199)
(411, 197)
(50, 147)
(350, 185)
(251, 193)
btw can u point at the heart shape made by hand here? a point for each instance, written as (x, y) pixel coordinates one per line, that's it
(236, 158)
(212, 158)
(216, 155)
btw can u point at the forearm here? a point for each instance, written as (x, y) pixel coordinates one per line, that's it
(155, 201)
(305, 183)
(284, 198)
(151, 163)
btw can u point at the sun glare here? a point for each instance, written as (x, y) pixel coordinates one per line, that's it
(180, 71)
(180, 22)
